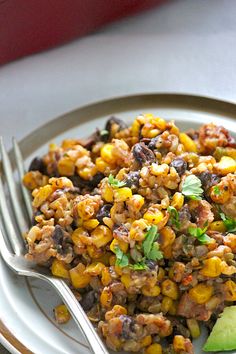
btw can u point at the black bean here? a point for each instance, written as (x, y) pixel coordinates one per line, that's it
(37, 165)
(208, 179)
(81, 183)
(58, 235)
(127, 326)
(132, 179)
(152, 143)
(88, 300)
(151, 264)
(142, 153)
(103, 212)
(92, 139)
(113, 120)
(180, 165)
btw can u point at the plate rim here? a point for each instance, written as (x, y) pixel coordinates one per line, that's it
(7, 338)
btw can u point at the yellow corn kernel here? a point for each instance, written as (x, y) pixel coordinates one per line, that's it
(187, 142)
(122, 194)
(107, 193)
(94, 252)
(136, 201)
(121, 244)
(101, 165)
(212, 267)
(179, 344)
(66, 167)
(154, 348)
(112, 260)
(52, 147)
(227, 269)
(138, 230)
(159, 170)
(61, 182)
(61, 313)
(166, 304)
(87, 172)
(219, 193)
(126, 280)
(108, 222)
(118, 270)
(173, 309)
(167, 237)
(194, 328)
(34, 179)
(94, 269)
(153, 216)
(42, 194)
(106, 298)
(59, 269)
(217, 226)
(135, 128)
(177, 200)
(160, 274)
(116, 311)
(201, 293)
(78, 278)
(151, 291)
(170, 289)
(226, 165)
(91, 224)
(35, 233)
(76, 235)
(101, 236)
(106, 276)
(86, 208)
(146, 341)
(160, 123)
(107, 153)
(230, 290)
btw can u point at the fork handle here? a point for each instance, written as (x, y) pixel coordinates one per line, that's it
(80, 317)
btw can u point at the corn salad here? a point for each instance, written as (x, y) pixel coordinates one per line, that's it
(140, 221)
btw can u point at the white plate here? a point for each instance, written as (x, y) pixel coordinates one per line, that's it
(26, 306)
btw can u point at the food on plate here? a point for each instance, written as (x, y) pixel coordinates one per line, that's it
(223, 335)
(140, 220)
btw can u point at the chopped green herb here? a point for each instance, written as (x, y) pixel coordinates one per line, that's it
(192, 187)
(230, 224)
(200, 234)
(104, 132)
(139, 266)
(150, 247)
(216, 190)
(122, 259)
(115, 182)
(174, 216)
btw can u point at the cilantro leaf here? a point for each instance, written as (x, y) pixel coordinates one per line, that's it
(216, 190)
(200, 234)
(155, 254)
(115, 182)
(122, 259)
(230, 224)
(139, 266)
(192, 187)
(150, 247)
(174, 216)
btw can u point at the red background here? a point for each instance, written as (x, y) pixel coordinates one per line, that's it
(29, 26)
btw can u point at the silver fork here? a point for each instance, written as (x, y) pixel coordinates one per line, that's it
(12, 246)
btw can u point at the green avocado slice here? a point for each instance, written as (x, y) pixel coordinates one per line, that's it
(223, 334)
